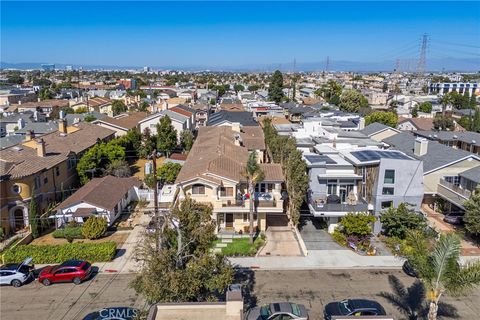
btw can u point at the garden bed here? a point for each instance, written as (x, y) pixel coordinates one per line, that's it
(241, 247)
(119, 237)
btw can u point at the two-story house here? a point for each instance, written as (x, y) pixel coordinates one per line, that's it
(214, 173)
(43, 167)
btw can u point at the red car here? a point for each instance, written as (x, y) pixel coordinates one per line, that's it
(74, 271)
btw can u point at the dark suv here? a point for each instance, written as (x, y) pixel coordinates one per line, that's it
(353, 307)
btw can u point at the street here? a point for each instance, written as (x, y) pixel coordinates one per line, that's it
(313, 288)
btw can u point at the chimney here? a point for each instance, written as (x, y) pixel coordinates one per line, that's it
(40, 148)
(20, 123)
(236, 126)
(30, 135)
(421, 147)
(62, 125)
(361, 124)
(61, 114)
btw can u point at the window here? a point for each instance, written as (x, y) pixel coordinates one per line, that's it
(245, 217)
(254, 217)
(198, 189)
(16, 189)
(57, 171)
(37, 182)
(260, 187)
(388, 191)
(72, 163)
(45, 180)
(331, 187)
(389, 176)
(455, 180)
(387, 204)
(226, 191)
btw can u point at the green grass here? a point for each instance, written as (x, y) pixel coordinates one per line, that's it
(241, 247)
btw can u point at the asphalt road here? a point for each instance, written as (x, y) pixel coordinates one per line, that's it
(313, 288)
(66, 301)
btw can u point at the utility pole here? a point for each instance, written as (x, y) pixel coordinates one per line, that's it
(422, 59)
(327, 64)
(155, 202)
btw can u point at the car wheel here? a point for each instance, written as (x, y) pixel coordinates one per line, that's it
(77, 280)
(46, 282)
(16, 283)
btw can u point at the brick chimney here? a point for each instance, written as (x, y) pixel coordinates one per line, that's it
(41, 148)
(62, 125)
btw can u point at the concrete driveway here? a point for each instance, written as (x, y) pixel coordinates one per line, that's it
(316, 237)
(281, 241)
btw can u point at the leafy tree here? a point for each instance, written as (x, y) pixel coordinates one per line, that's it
(439, 268)
(254, 175)
(441, 122)
(186, 140)
(118, 168)
(476, 121)
(33, 217)
(82, 110)
(472, 213)
(465, 122)
(94, 227)
(147, 144)
(275, 89)
(330, 91)
(396, 222)
(238, 88)
(168, 172)
(131, 142)
(118, 106)
(15, 79)
(97, 158)
(357, 224)
(89, 118)
(177, 263)
(149, 180)
(352, 101)
(387, 118)
(415, 112)
(166, 135)
(143, 106)
(253, 87)
(425, 107)
(473, 102)
(45, 94)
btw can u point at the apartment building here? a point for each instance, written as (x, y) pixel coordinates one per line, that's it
(43, 167)
(214, 173)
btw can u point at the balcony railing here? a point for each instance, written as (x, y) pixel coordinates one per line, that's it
(360, 206)
(458, 190)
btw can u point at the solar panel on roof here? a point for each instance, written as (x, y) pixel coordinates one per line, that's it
(320, 158)
(371, 155)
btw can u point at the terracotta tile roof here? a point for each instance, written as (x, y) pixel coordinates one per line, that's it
(215, 155)
(272, 171)
(127, 120)
(253, 137)
(232, 107)
(181, 111)
(98, 101)
(25, 160)
(178, 156)
(103, 192)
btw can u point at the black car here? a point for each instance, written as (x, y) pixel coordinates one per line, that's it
(409, 269)
(354, 307)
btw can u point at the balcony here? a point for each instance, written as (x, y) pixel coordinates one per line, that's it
(263, 202)
(453, 193)
(336, 209)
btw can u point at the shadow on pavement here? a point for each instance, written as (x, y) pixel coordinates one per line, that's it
(411, 301)
(246, 277)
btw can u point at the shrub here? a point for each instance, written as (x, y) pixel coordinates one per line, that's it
(68, 232)
(93, 252)
(359, 224)
(396, 222)
(339, 237)
(2, 233)
(94, 228)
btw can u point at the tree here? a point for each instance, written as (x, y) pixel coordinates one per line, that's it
(186, 140)
(275, 89)
(166, 135)
(476, 121)
(183, 268)
(352, 101)
(45, 94)
(33, 217)
(465, 122)
(441, 122)
(118, 106)
(439, 268)
(357, 224)
(15, 79)
(118, 168)
(254, 175)
(386, 117)
(147, 144)
(415, 112)
(396, 222)
(94, 227)
(238, 88)
(330, 91)
(82, 110)
(472, 213)
(425, 107)
(253, 87)
(168, 172)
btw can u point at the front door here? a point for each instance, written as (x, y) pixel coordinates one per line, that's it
(229, 220)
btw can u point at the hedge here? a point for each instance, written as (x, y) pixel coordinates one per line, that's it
(72, 232)
(93, 252)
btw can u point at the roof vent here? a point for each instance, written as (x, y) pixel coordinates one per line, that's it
(17, 148)
(473, 141)
(455, 137)
(435, 136)
(63, 134)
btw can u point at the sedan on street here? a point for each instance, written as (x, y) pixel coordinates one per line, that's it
(354, 307)
(278, 310)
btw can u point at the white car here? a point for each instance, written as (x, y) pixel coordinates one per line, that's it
(16, 274)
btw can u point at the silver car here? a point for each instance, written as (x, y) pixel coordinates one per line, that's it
(16, 274)
(278, 311)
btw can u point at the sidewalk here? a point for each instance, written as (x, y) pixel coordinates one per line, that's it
(319, 259)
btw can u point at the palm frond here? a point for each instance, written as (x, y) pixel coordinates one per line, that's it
(446, 250)
(464, 278)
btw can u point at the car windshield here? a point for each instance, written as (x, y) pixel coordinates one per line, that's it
(265, 311)
(345, 307)
(295, 309)
(86, 266)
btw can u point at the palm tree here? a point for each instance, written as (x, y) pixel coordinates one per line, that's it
(254, 175)
(440, 270)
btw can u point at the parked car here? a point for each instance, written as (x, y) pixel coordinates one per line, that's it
(278, 310)
(74, 271)
(354, 307)
(16, 274)
(409, 269)
(453, 219)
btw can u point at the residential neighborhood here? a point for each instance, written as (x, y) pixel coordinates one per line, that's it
(145, 184)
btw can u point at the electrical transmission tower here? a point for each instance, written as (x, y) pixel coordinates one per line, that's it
(423, 52)
(397, 66)
(327, 64)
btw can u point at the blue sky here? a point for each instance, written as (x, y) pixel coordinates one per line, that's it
(234, 33)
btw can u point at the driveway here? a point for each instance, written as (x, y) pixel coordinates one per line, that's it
(281, 241)
(316, 237)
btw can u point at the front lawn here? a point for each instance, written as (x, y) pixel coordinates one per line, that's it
(242, 247)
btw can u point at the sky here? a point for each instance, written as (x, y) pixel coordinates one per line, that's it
(235, 33)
